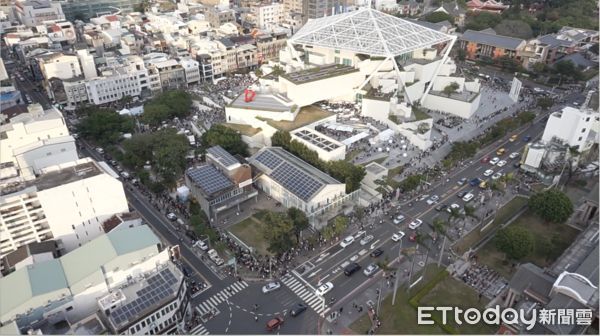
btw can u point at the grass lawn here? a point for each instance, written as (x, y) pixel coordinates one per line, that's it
(243, 129)
(307, 115)
(564, 234)
(502, 216)
(400, 318)
(250, 232)
(452, 292)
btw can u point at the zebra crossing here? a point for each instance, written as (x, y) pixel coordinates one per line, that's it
(199, 330)
(306, 294)
(221, 296)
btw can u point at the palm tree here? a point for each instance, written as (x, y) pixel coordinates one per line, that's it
(470, 211)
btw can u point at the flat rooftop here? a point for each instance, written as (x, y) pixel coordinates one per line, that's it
(263, 102)
(307, 115)
(142, 297)
(67, 175)
(317, 139)
(319, 73)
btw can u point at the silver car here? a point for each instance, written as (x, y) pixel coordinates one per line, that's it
(370, 270)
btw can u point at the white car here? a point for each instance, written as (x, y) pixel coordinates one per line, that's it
(397, 236)
(324, 289)
(433, 199)
(415, 224)
(497, 176)
(366, 240)
(100, 150)
(171, 216)
(453, 206)
(347, 241)
(501, 163)
(271, 286)
(201, 245)
(488, 172)
(370, 270)
(514, 155)
(359, 234)
(494, 160)
(399, 219)
(468, 197)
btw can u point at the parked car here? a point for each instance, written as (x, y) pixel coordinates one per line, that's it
(494, 160)
(351, 269)
(171, 216)
(433, 199)
(415, 224)
(366, 240)
(500, 151)
(468, 197)
(461, 194)
(474, 182)
(399, 219)
(377, 252)
(497, 176)
(397, 236)
(462, 181)
(488, 172)
(274, 323)
(324, 289)
(370, 270)
(100, 150)
(347, 241)
(441, 207)
(513, 138)
(271, 286)
(298, 309)
(485, 159)
(453, 206)
(501, 163)
(514, 155)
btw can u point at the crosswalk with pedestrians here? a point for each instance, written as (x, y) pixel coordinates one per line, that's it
(221, 296)
(306, 294)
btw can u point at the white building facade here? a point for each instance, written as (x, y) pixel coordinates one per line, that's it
(572, 126)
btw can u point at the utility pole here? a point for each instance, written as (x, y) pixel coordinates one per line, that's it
(412, 267)
(397, 274)
(442, 251)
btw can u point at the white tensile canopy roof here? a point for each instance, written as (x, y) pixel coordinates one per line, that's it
(368, 31)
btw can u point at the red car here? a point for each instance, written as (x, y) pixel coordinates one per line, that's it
(485, 159)
(274, 323)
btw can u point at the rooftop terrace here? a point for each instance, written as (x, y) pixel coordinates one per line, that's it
(319, 73)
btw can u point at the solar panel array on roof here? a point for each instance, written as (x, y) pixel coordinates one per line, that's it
(269, 159)
(316, 140)
(160, 287)
(209, 179)
(296, 181)
(222, 156)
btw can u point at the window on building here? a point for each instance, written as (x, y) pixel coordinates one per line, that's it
(580, 138)
(336, 60)
(347, 61)
(337, 51)
(583, 130)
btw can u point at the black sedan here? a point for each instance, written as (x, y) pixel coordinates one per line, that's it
(376, 253)
(298, 309)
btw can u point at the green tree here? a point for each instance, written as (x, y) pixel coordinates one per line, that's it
(299, 220)
(167, 105)
(514, 28)
(469, 211)
(170, 150)
(451, 88)
(411, 182)
(515, 241)
(278, 232)
(229, 139)
(348, 173)
(567, 69)
(439, 226)
(436, 17)
(551, 205)
(155, 114)
(525, 117)
(104, 126)
(281, 139)
(545, 103)
(340, 223)
(482, 20)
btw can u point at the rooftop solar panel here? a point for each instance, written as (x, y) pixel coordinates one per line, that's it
(209, 179)
(269, 159)
(296, 181)
(222, 156)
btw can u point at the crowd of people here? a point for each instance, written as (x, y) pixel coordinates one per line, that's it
(486, 281)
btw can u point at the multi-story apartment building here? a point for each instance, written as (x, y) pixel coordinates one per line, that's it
(75, 93)
(86, 9)
(34, 12)
(217, 17)
(123, 282)
(67, 202)
(171, 73)
(573, 127)
(292, 6)
(269, 45)
(28, 128)
(267, 15)
(313, 9)
(59, 65)
(191, 70)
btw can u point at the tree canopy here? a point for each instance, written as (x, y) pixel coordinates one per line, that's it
(514, 28)
(440, 16)
(515, 241)
(165, 150)
(278, 232)
(451, 88)
(167, 105)
(551, 205)
(299, 221)
(482, 20)
(104, 126)
(228, 138)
